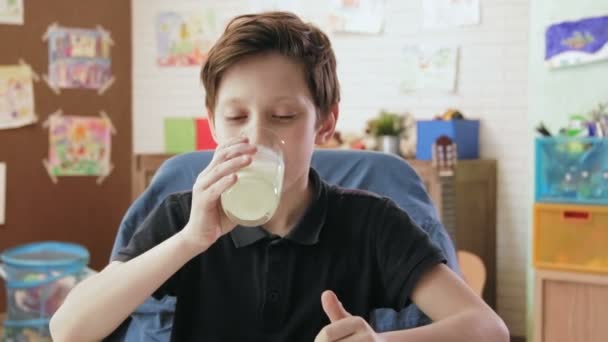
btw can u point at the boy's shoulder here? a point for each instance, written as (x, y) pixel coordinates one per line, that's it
(357, 202)
(181, 200)
(349, 196)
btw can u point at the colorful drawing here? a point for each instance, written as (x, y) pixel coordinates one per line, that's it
(358, 16)
(11, 12)
(16, 96)
(185, 39)
(438, 14)
(79, 58)
(429, 68)
(577, 42)
(79, 145)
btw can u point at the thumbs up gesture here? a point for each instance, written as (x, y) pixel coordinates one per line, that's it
(343, 326)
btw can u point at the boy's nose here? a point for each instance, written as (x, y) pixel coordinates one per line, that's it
(258, 134)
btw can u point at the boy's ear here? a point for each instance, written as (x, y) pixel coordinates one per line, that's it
(327, 127)
(211, 118)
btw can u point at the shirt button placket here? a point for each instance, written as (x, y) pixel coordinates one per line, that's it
(272, 305)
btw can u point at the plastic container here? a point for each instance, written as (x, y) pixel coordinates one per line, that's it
(38, 277)
(571, 237)
(572, 170)
(464, 133)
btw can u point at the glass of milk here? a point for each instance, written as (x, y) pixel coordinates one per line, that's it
(254, 198)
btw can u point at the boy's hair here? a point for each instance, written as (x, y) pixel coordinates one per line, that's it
(281, 32)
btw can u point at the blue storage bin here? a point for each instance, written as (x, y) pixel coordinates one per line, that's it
(38, 277)
(572, 170)
(465, 133)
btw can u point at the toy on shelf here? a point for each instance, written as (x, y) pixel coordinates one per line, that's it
(594, 124)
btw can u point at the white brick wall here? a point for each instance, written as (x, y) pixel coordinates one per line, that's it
(492, 86)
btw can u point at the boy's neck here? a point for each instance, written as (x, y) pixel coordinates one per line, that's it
(292, 207)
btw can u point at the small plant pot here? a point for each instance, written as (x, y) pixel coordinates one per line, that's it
(389, 144)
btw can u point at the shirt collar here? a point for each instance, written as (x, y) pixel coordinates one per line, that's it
(305, 232)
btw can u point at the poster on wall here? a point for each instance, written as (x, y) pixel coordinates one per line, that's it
(577, 42)
(2, 192)
(184, 39)
(16, 96)
(79, 146)
(11, 12)
(438, 14)
(357, 16)
(429, 68)
(79, 58)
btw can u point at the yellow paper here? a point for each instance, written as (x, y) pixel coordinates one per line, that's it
(16, 96)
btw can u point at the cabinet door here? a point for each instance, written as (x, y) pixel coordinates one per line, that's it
(475, 209)
(571, 307)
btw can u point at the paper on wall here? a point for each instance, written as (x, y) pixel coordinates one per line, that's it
(429, 68)
(16, 96)
(11, 12)
(450, 13)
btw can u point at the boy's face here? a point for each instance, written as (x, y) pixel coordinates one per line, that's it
(270, 91)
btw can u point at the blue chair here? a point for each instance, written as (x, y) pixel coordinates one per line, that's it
(383, 174)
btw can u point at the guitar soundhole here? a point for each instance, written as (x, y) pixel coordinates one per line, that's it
(444, 156)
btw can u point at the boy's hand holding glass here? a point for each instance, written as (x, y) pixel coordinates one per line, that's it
(242, 185)
(207, 221)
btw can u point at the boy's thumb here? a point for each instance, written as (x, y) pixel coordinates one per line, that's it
(333, 307)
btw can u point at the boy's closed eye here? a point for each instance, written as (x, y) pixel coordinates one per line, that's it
(284, 117)
(235, 117)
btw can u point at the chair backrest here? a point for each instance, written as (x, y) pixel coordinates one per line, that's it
(473, 270)
(380, 173)
(383, 174)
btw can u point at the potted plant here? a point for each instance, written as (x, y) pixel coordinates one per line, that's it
(387, 128)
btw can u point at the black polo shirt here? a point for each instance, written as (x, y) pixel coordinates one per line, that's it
(252, 285)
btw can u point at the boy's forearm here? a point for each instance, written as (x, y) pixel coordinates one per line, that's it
(468, 326)
(98, 305)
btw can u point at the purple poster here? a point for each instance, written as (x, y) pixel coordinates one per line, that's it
(577, 42)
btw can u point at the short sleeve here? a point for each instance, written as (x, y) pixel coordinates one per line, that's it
(404, 253)
(162, 223)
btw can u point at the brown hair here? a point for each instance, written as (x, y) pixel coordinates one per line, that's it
(281, 32)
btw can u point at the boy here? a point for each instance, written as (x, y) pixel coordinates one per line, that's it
(326, 258)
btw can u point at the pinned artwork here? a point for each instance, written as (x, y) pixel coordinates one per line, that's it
(429, 68)
(439, 14)
(79, 146)
(16, 96)
(184, 39)
(357, 16)
(577, 42)
(79, 58)
(11, 12)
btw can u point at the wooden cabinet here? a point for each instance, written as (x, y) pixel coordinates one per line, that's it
(570, 307)
(466, 204)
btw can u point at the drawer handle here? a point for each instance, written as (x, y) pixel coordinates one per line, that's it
(579, 216)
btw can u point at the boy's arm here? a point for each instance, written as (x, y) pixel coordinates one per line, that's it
(411, 270)
(98, 305)
(458, 313)
(157, 250)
